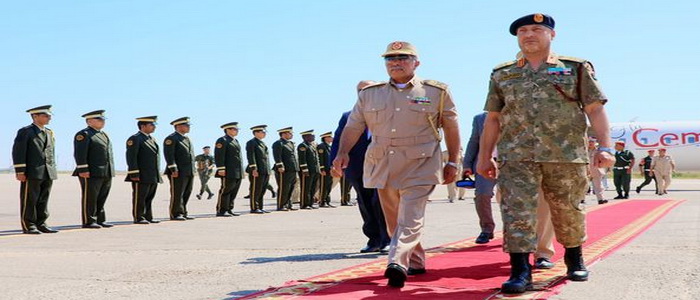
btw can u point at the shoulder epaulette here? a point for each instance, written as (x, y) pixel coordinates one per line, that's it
(376, 84)
(571, 58)
(505, 64)
(435, 83)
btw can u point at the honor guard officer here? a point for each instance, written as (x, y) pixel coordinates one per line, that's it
(286, 168)
(179, 156)
(403, 160)
(537, 107)
(645, 170)
(310, 169)
(205, 166)
(143, 160)
(35, 167)
(622, 171)
(258, 168)
(95, 168)
(229, 167)
(324, 160)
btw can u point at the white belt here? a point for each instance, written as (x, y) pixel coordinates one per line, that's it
(620, 168)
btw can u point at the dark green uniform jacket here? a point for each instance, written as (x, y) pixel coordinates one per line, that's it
(93, 153)
(179, 155)
(283, 153)
(33, 153)
(227, 155)
(258, 159)
(143, 158)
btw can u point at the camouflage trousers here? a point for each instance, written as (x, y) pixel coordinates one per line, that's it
(564, 186)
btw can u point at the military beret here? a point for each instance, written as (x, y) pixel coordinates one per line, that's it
(183, 120)
(230, 125)
(97, 114)
(44, 109)
(533, 19)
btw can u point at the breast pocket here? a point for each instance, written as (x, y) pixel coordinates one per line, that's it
(564, 86)
(420, 113)
(375, 112)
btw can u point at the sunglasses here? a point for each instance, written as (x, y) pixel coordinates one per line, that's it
(402, 57)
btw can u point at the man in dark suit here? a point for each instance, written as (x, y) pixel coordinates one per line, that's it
(94, 168)
(483, 191)
(374, 226)
(229, 167)
(143, 160)
(286, 168)
(258, 168)
(35, 167)
(179, 156)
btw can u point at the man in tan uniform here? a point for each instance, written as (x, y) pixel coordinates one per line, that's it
(662, 167)
(403, 161)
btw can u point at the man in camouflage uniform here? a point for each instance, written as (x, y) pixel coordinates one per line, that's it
(403, 160)
(622, 171)
(310, 169)
(143, 161)
(229, 167)
(94, 168)
(258, 168)
(34, 161)
(324, 160)
(179, 156)
(286, 168)
(205, 166)
(537, 107)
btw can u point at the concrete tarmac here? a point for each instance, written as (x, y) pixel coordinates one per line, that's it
(223, 258)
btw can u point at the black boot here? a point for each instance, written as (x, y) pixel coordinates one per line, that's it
(575, 269)
(520, 274)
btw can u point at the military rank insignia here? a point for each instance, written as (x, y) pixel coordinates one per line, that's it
(129, 143)
(559, 71)
(320, 150)
(421, 100)
(79, 137)
(219, 145)
(168, 142)
(302, 148)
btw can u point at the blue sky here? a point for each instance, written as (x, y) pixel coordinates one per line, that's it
(296, 63)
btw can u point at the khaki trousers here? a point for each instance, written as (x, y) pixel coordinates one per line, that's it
(404, 212)
(664, 180)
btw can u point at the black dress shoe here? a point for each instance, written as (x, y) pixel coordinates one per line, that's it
(92, 226)
(199, 196)
(619, 197)
(385, 249)
(639, 189)
(368, 249)
(274, 195)
(246, 197)
(142, 222)
(484, 238)
(210, 196)
(396, 274)
(543, 263)
(292, 208)
(189, 218)
(283, 209)
(105, 225)
(235, 214)
(626, 196)
(602, 201)
(415, 271)
(31, 231)
(257, 211)
(265, 211)
(330, 205)
(223, 214)
(46, 229)
(178, 218)
(152, 221)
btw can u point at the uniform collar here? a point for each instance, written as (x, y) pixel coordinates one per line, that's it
(552, 59)
(93, 129)
(39, 128)
(414, 82)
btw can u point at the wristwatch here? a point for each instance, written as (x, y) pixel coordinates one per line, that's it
(607, 149)
(454, 165)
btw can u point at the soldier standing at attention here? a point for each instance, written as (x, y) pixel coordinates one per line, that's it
(286, 168)
(622, 171)
(310, 169)
(94, 168)
(324, 160)
(229, 167)
(143, 160)
(403, 161)
(35, 167)
(258, 168)
(205, 166)
(179, 155)
(537, 107)
(645, 170)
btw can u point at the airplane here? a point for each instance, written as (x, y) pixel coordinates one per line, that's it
(680, 138)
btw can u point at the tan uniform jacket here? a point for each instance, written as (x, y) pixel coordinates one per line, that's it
(662, 165)
(404, 150)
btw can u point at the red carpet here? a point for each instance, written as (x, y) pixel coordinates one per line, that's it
(464, 270)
